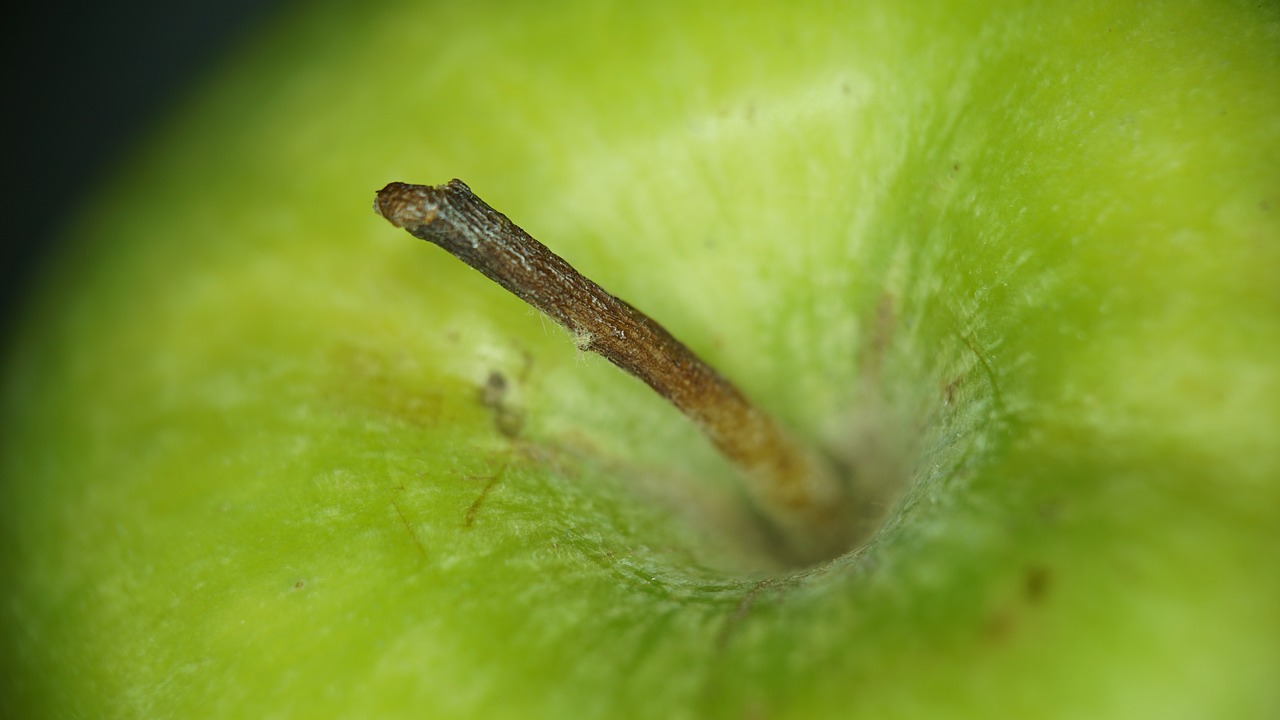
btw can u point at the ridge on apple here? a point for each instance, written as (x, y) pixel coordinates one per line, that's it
(1012, 266)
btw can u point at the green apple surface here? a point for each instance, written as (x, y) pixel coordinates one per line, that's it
(1016, 266)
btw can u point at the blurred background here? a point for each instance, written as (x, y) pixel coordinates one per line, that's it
(84, 83)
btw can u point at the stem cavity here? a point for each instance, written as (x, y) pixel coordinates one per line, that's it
(799, 494)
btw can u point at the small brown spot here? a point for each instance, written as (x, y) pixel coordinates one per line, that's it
(998, 626)
(299, 585)
(1050, 512)
(509, 422)
(493, 394)
(886, 320)
(494, 391)
(949, 389)
(1036, 584)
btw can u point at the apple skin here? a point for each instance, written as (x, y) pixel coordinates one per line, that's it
(1018, 262)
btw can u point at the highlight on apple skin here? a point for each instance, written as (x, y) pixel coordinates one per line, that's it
(1011, 268)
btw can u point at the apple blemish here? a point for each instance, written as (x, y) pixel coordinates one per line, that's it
(494, 395)
(490, 481)
(806, 502)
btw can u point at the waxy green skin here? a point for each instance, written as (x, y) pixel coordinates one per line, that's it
(1022, 260)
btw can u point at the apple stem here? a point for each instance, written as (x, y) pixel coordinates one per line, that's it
(801, 495)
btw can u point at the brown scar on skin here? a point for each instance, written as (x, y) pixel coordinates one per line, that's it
(886, 322)
(797, 491)
(470, 517)
(741, 612)
(372, 382)
(996, 397)
(883, 324)
(422, 551)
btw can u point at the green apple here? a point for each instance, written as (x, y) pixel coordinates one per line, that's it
(1014, 266)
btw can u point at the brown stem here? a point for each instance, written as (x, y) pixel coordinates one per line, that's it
(797, 492)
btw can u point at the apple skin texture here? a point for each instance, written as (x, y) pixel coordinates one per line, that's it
(1018, 263)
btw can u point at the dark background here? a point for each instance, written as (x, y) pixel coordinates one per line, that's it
(83, 84)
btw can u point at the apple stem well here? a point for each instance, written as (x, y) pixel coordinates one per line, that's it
(801, 497)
